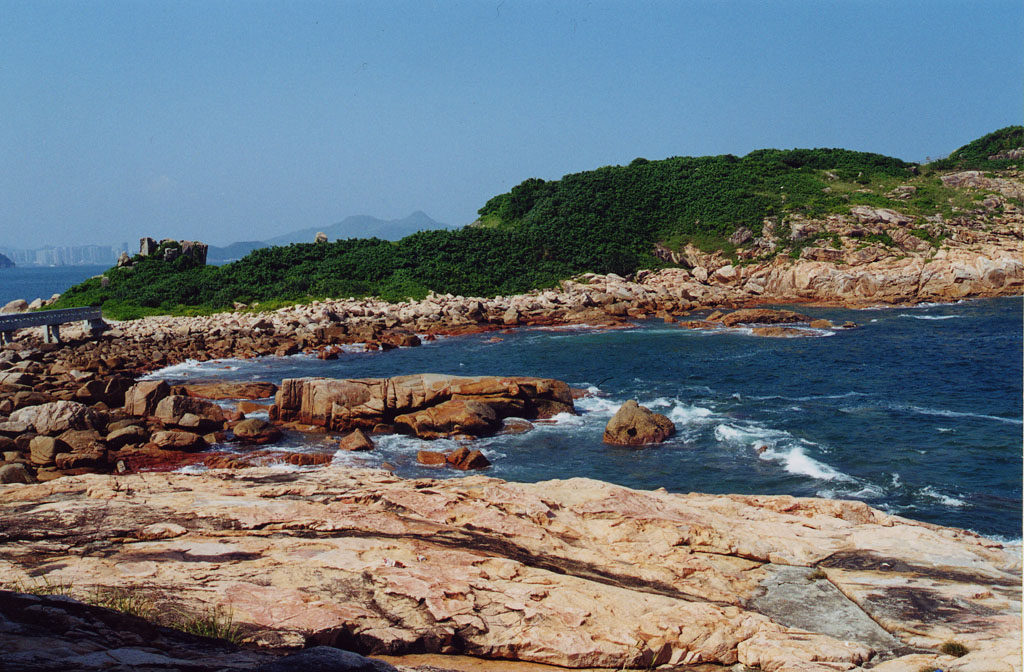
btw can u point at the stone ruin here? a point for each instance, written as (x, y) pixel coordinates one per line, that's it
(148, 247)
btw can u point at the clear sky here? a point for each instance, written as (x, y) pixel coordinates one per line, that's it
(224, 121)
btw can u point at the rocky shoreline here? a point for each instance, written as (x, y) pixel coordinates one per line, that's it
(574, 573)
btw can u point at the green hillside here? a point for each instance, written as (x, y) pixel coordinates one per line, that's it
(540, 232)
(975, 155)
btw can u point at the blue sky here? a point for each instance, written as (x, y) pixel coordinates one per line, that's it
(224, 121)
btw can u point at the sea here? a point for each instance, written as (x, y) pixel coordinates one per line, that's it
(41, 282)
(917, 411)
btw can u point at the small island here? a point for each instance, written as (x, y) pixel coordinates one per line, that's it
(5, 262)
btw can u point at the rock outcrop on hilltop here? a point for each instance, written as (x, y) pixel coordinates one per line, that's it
(576, 573)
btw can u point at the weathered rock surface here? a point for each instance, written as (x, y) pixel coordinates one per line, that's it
(429, 405)
(577, 573)
(142, 398)
(230, 390)
(57, 416)
(762, 316)
(58, 634)
(635, 425)
(458, 416)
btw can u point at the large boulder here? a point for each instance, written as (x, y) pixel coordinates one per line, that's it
(450, 418)
(45, 449)
(189, 412)
(356, 440)
(57, 416)
(15, 306)
(183, 441)
(636, 425)
(141, 398)
(125, 436)
(15, 473)
(465, 459)
(255, 430)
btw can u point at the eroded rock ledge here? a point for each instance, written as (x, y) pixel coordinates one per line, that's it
(428, 404)
(577, 572)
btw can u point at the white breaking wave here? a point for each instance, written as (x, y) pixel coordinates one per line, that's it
(181, 370)
(813, 397)
(1013, 542)
(689, 414)
(946, 500)
(795, 461)
(958, 414)
(597, 405)
(931, 317)
(781, 447)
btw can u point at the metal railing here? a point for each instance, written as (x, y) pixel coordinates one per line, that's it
(51, 319)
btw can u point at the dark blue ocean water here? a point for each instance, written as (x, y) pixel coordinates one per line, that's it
(917, 412)
(42, 282)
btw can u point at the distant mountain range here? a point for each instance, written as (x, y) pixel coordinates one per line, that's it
(355, 226)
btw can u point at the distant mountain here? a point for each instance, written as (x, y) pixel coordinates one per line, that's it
(356, 226)
(5, 262)
(232, 252)
(363, 226)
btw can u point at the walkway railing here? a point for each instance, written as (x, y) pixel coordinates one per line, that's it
(51, 319)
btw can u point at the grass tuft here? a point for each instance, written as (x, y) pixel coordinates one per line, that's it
(217, 622)
(42, 586)
(817, 574)
(954, 648)
(126, 600)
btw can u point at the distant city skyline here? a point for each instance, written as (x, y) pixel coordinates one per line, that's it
(67, 255)
(228, 121)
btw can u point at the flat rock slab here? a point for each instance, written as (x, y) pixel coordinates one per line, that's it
(577, 573)
(799, 597)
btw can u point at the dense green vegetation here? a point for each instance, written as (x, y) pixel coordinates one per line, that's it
(974, 155)
(604, 220)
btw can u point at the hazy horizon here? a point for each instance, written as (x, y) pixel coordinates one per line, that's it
(228, 122)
